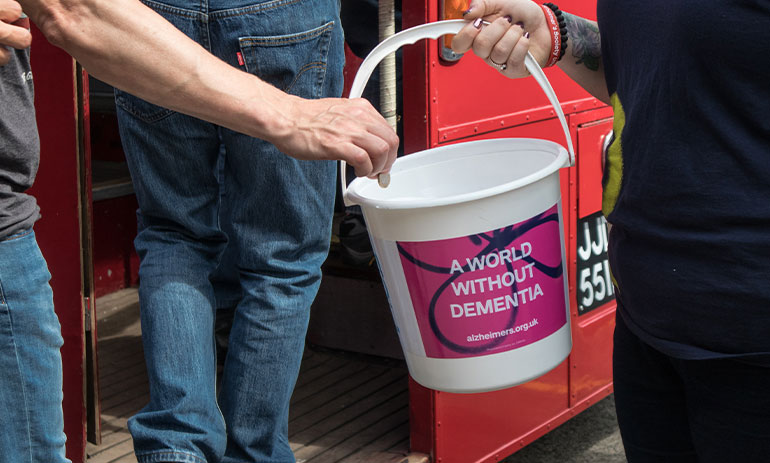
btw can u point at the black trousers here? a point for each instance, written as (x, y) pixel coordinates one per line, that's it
(680, 411)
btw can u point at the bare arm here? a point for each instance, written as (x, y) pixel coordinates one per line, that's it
(582, 60)
(128, 45)
(519, 26)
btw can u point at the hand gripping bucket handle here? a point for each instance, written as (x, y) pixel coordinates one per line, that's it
(434, 31)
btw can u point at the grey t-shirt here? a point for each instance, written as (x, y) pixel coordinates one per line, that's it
(19, 145)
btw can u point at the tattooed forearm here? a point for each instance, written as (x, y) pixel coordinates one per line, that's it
(584, 40)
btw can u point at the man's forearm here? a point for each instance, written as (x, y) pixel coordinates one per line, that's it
(583, 58)
(126, 44)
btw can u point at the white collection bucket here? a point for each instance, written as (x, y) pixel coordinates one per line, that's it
(469, 242)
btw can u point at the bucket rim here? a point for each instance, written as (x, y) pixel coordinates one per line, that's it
(561, 159)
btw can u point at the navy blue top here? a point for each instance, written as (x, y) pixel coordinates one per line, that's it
(690, 243)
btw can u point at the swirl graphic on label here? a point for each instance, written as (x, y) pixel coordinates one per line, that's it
(489, 292)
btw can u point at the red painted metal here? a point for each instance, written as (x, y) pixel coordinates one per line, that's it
(590, 128)
(422, 409)
(57, 190)
(352, 63)
(448, 101)
(477, 127)
(591, 359)
(116, 264)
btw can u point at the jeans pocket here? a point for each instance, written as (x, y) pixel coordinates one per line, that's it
(185, 20)
(139, 108)
(17, 235)
(295, 63)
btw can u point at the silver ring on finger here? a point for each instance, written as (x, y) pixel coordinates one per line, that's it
(500, 66)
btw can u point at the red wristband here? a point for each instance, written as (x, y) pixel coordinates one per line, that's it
(23, 21)
(554, 30)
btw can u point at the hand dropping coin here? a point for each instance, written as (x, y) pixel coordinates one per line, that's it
(383, 180)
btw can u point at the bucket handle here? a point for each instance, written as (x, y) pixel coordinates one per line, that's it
(433, 31)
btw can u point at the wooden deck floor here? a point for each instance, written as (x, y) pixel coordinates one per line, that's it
(344, 409)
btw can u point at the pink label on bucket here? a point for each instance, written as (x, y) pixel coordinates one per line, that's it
(490, 292)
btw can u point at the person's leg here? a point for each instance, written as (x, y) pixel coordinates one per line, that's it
(280, 274)
(650, 402)
(31, 420)
(280, 211)
(729, 406)
(179, 244)
(173, 159)
(225, 279)
(227, 288)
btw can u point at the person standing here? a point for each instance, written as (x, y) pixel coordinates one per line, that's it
(685, 189)
(30, 336)
(274, 218)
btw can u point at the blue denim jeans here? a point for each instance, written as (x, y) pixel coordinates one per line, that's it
(271, 212)
(31, 420)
